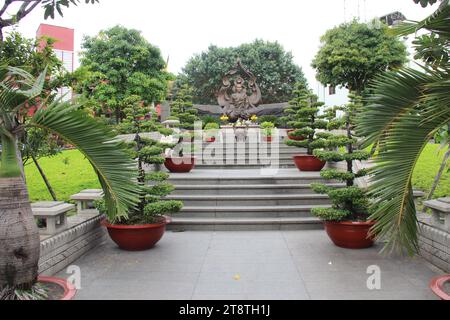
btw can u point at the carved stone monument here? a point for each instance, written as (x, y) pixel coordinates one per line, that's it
(239, 94)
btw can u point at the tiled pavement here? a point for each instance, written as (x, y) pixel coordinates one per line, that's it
(248, 265)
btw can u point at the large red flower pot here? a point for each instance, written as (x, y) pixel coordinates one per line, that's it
(300, 138)
(306, 162)
(180, 164)
(136, 237)
(267, 138)
(211, 139)
(350, 234)
(438, 284)
(67, 289)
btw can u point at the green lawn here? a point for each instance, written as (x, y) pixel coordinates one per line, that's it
(427, 168)
(69, 172)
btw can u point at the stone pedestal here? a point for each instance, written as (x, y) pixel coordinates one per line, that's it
(85, 200)
(54, 214)
(440, 209)
(241, 133)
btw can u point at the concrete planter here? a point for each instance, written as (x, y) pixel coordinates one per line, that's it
(69, 290)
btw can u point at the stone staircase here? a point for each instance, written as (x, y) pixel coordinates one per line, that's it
(257, 190)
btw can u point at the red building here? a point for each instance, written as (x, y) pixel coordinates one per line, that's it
(63, 48)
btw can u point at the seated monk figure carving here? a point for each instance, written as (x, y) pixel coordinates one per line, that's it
(239, 104)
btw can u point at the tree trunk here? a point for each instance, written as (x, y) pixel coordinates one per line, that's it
(19, 236)
(44, 177)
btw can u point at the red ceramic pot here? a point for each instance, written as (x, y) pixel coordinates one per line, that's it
(136, 237)
(267, 138)
(211, 139)
(305, 162)
(68, 288)
(179, 164)
(437, 285)
(293, 137)
(350, 234)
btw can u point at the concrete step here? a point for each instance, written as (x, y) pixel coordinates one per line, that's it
(224, 224)
(202, 178)
(248, 211)
(252, 157)
(249, 189)
(251, 200)
(244, 166)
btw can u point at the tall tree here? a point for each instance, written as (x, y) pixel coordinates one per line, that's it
(352, 54)
(127, 64)
(405, 110)
(274, 68)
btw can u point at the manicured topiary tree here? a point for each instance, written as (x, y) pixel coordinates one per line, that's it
(351, 202)
(304, 111)
(147, 151)
(183, 109)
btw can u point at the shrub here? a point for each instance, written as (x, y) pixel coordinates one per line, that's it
(267, 128)
(153, 184)
(303, 111)
(350, 202)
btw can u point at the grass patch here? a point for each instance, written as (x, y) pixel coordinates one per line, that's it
(427, 168)
(68, 173)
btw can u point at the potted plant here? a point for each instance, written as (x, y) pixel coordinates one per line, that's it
(304, 109)
(211, 130)
(183, 109)
(144, 224)
(346, 222)
(180, 158)
(266, 131)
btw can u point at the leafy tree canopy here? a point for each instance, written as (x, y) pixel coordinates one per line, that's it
(274, 68)
(123, 63)
(353, 53)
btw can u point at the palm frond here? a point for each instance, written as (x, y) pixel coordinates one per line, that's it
(395, 211)
(115, 169)
(395, 93)
(438, 22)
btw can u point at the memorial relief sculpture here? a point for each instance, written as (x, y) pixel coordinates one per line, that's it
(239, 94)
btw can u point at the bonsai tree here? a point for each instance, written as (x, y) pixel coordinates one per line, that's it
(304, 110)
(151, 207)
(183, 109)
(351, 202)
(115, 169)
(211, 129)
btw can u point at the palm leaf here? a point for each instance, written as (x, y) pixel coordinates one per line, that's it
(115, 169)
(438, 22)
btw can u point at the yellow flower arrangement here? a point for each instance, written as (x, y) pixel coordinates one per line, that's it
(224, 118)
(254, 118)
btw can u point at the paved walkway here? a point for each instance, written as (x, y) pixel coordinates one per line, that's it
(248, 265)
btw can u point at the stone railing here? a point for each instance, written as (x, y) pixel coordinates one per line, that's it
(434, 238)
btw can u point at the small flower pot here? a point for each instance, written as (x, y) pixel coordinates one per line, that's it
(350, 234)
(438, 284)
(300, 138)
(308, 163)
(136, 237)
(267, 138)
(67, 290)
(210, 139)
(179, 164)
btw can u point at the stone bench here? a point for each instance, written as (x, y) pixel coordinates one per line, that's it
(85, 200)
(54, 214)
(440, 209)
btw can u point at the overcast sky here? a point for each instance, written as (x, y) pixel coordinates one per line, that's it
(181, 28)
